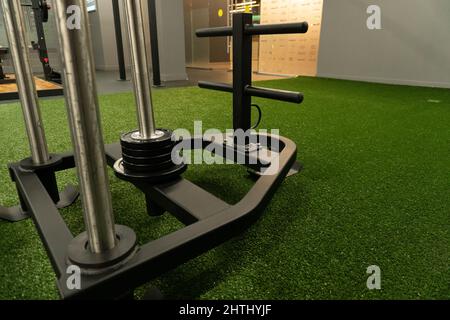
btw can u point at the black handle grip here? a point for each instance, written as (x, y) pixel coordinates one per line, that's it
(281, 95)
(216, 86)
(257, 29)
(214, 32)
(287, 28)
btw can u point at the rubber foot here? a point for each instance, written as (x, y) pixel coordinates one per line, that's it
(15, 214)
(296, 168)
(68, 197)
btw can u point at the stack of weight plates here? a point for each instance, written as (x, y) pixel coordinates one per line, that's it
(150, 160)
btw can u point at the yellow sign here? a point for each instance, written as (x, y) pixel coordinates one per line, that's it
(248, 9)
(220, 13)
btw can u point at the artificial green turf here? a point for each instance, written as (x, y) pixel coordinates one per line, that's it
(374, 192)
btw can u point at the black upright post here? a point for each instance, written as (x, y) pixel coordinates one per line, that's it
(242, 71)
(38, 10)
(154, 42)
(119, 40)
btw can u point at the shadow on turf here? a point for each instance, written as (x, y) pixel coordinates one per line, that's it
(194, 279)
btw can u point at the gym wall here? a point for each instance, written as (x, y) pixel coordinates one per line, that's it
(412, 48)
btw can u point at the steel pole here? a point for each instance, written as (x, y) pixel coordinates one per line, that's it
(82, 104)
(15, 30)
(140, 70)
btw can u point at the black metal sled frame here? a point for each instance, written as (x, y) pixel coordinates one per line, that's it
(209, 222)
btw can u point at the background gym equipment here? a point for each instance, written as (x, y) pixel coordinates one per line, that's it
(3, 77)
(49, 85)
(42, 163)
(41, 14)
(112, 265)
(9, 89)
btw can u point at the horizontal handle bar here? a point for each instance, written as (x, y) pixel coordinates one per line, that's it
(280, 95)
(261, 29)
(216, 86)
(214, 32)
(257, 29)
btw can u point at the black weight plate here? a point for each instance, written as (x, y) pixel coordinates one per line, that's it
(148, 168)
(128, 142)
(147, 153)
(148, 160)
(149, 177)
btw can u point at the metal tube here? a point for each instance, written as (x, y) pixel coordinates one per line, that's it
(140, 69)
(15, 29)
(256, 29)
(285, 28)
(214, 32)
(84, 118)
(280, 95)
(225, 87)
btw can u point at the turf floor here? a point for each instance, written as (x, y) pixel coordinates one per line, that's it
(375, 191)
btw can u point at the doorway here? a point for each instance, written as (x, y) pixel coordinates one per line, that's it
(206, 53)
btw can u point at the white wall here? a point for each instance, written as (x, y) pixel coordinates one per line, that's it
(412, 48)
(172, 54)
